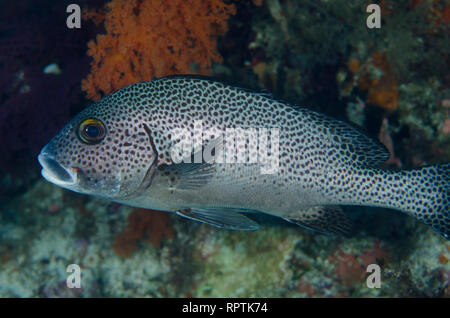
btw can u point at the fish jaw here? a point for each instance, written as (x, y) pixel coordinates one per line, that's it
(54, 172)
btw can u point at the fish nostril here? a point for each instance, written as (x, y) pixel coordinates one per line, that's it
(51, 165)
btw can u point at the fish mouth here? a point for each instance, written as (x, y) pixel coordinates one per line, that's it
(54, 172)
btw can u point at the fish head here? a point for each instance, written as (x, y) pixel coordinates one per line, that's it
(106, 150)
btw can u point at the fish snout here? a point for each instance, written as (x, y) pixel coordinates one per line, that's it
(56, 173)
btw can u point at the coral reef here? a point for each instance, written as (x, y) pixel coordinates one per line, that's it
(376, 77)
(142, 225)
(147, 39)
(279, 260)
(350, 268)
(342, 67)
(393, 82)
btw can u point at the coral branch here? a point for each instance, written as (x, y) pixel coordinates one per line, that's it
(147, 39)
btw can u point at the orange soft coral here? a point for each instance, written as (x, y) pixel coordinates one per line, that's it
(382, 92)
(152, 38)
(377, 77)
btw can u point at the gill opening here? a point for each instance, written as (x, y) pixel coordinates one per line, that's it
(151, 171)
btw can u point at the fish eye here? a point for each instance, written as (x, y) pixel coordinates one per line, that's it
(91, 131)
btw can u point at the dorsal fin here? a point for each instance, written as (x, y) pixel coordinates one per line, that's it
(212, 79)
(361, 149)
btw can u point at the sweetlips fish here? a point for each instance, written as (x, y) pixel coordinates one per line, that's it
(200, 148)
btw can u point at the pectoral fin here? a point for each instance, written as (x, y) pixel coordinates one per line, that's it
(225, 218)
(322, 219)
(189, 176)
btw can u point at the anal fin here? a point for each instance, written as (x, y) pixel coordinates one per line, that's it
(224, 218)
(322, 219)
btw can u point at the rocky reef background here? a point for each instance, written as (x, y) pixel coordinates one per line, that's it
(392, 81)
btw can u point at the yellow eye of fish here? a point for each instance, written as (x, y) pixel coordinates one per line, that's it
(91, 131)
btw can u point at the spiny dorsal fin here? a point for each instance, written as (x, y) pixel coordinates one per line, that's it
(359, 148)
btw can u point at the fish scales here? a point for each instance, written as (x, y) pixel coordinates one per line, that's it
(321, 162)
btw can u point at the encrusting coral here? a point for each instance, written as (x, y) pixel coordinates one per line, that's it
(143, 226)
(147, 39)
(377, 78)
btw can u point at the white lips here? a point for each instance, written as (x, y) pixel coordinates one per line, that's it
(55, 173)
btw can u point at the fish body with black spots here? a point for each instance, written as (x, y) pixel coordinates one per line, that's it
(212, 152)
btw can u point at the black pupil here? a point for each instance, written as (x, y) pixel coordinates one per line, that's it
(92, 131)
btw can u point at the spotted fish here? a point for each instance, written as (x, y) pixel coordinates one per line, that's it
(122, 148)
